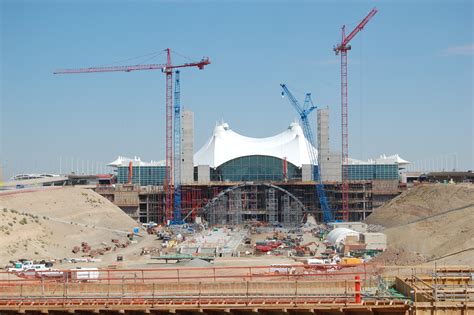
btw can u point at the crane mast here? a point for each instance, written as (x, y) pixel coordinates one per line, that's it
(177, 151)
(168, 183)
(168, 70)
(304, 112)
(342, 49)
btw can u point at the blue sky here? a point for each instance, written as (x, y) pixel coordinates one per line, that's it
(410, 75)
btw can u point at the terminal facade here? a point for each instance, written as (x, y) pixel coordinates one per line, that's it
(235, 179)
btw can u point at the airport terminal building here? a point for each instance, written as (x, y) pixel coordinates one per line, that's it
(265, 179)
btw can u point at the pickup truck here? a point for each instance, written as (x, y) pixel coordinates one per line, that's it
(20, 266)
(28, 265)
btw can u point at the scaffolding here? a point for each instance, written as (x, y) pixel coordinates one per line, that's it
(285, 208)
(296, 214)
(220, 215)
(257, 202)
(272, 206)
(235, 207)
(253, 202)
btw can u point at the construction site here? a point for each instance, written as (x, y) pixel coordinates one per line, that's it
(281, 224)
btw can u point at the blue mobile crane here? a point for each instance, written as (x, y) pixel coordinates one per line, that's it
(304, 112)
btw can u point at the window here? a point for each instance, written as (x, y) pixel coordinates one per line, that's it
(254, 168)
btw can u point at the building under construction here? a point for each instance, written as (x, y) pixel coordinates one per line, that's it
(235, 179)
(236, 203)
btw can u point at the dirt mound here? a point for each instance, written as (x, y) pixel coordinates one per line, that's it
(70, 204)
(196, 262)
(421, 202)
(435, 221)
(47, 224)
(436, 236)
(399, 257)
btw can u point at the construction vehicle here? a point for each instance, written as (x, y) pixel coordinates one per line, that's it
(320, 264)
(24, 265)
(20, 266)
(83, 274)
(281, 269)
(303, 250)
(351, 261)
(263, 248)
(266, 246)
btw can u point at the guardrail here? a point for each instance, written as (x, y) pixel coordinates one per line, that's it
(179, 274)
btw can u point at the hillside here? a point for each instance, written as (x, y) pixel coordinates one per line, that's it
(421, 202)
(49, 223)
(435, 221)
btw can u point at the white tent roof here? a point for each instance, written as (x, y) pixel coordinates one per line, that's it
(339, 235)
(225, 145)
(382, 159)
(136, 161)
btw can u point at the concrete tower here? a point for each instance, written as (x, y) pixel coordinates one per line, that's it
(329, 162)
(187, 148)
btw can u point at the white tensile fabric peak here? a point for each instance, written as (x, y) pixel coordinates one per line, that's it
(225, 145)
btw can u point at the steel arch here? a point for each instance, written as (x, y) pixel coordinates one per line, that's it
(226, 191)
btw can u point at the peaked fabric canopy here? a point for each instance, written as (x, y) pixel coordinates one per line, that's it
(382, 159)
(136, 161)
(225, 145)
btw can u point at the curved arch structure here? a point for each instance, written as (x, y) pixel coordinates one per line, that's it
(250, 202)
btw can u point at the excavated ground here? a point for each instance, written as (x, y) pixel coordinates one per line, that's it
(430, 223)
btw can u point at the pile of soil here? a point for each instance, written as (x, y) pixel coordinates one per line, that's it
(421, 202)
(399, 257)
(435, 221)
(48, 223)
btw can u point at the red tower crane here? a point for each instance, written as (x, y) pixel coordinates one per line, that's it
(168, 70)
(342, 48)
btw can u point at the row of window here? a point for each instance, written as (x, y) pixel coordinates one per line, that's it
(143, 175)
(373, 172)
(256, 168)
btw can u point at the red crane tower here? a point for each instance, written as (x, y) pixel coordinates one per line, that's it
(168, 70)
(342, 48)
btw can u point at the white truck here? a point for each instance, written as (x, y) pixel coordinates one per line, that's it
(29, 269)
(24, 265)
(316, 263)
(281, 269)
(84, 274)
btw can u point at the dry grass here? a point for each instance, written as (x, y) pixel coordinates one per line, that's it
(48, 223)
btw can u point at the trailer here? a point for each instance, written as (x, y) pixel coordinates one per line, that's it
(81, 274)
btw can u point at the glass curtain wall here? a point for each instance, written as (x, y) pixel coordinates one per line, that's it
(143, 175)
(254, 168)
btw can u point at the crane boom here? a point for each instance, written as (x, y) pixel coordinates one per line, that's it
(359, 27)
(168, 70)
(304, 114)
(201, 64)
(293, 101)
